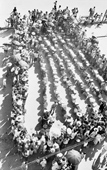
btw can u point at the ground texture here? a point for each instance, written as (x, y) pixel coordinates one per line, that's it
(68, 59)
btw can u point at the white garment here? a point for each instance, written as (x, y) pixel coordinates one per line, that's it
(55, 166)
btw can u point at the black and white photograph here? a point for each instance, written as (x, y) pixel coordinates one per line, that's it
(53, 85)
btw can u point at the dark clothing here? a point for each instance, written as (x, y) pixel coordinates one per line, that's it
(14, 10)
(33, 17)
(74, 167)
(102, 107)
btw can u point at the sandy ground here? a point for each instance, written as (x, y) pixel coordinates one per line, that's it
(32, 105)
(8, 152)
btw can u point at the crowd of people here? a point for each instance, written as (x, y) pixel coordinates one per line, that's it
(93, 18)
(25, 46)
(57, 16)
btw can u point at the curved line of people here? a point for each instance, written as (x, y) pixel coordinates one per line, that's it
(25, 48)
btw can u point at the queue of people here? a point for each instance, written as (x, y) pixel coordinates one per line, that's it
(25, 46)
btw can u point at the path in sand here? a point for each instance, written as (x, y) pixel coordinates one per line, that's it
(32, 104)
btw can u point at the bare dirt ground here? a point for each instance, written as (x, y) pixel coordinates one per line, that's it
(8, 152)
(9, 158)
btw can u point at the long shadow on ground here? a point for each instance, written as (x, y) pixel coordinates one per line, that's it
(40, 98)
(6, 32)
(98, 164)
(8, 152)
(91, 150)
